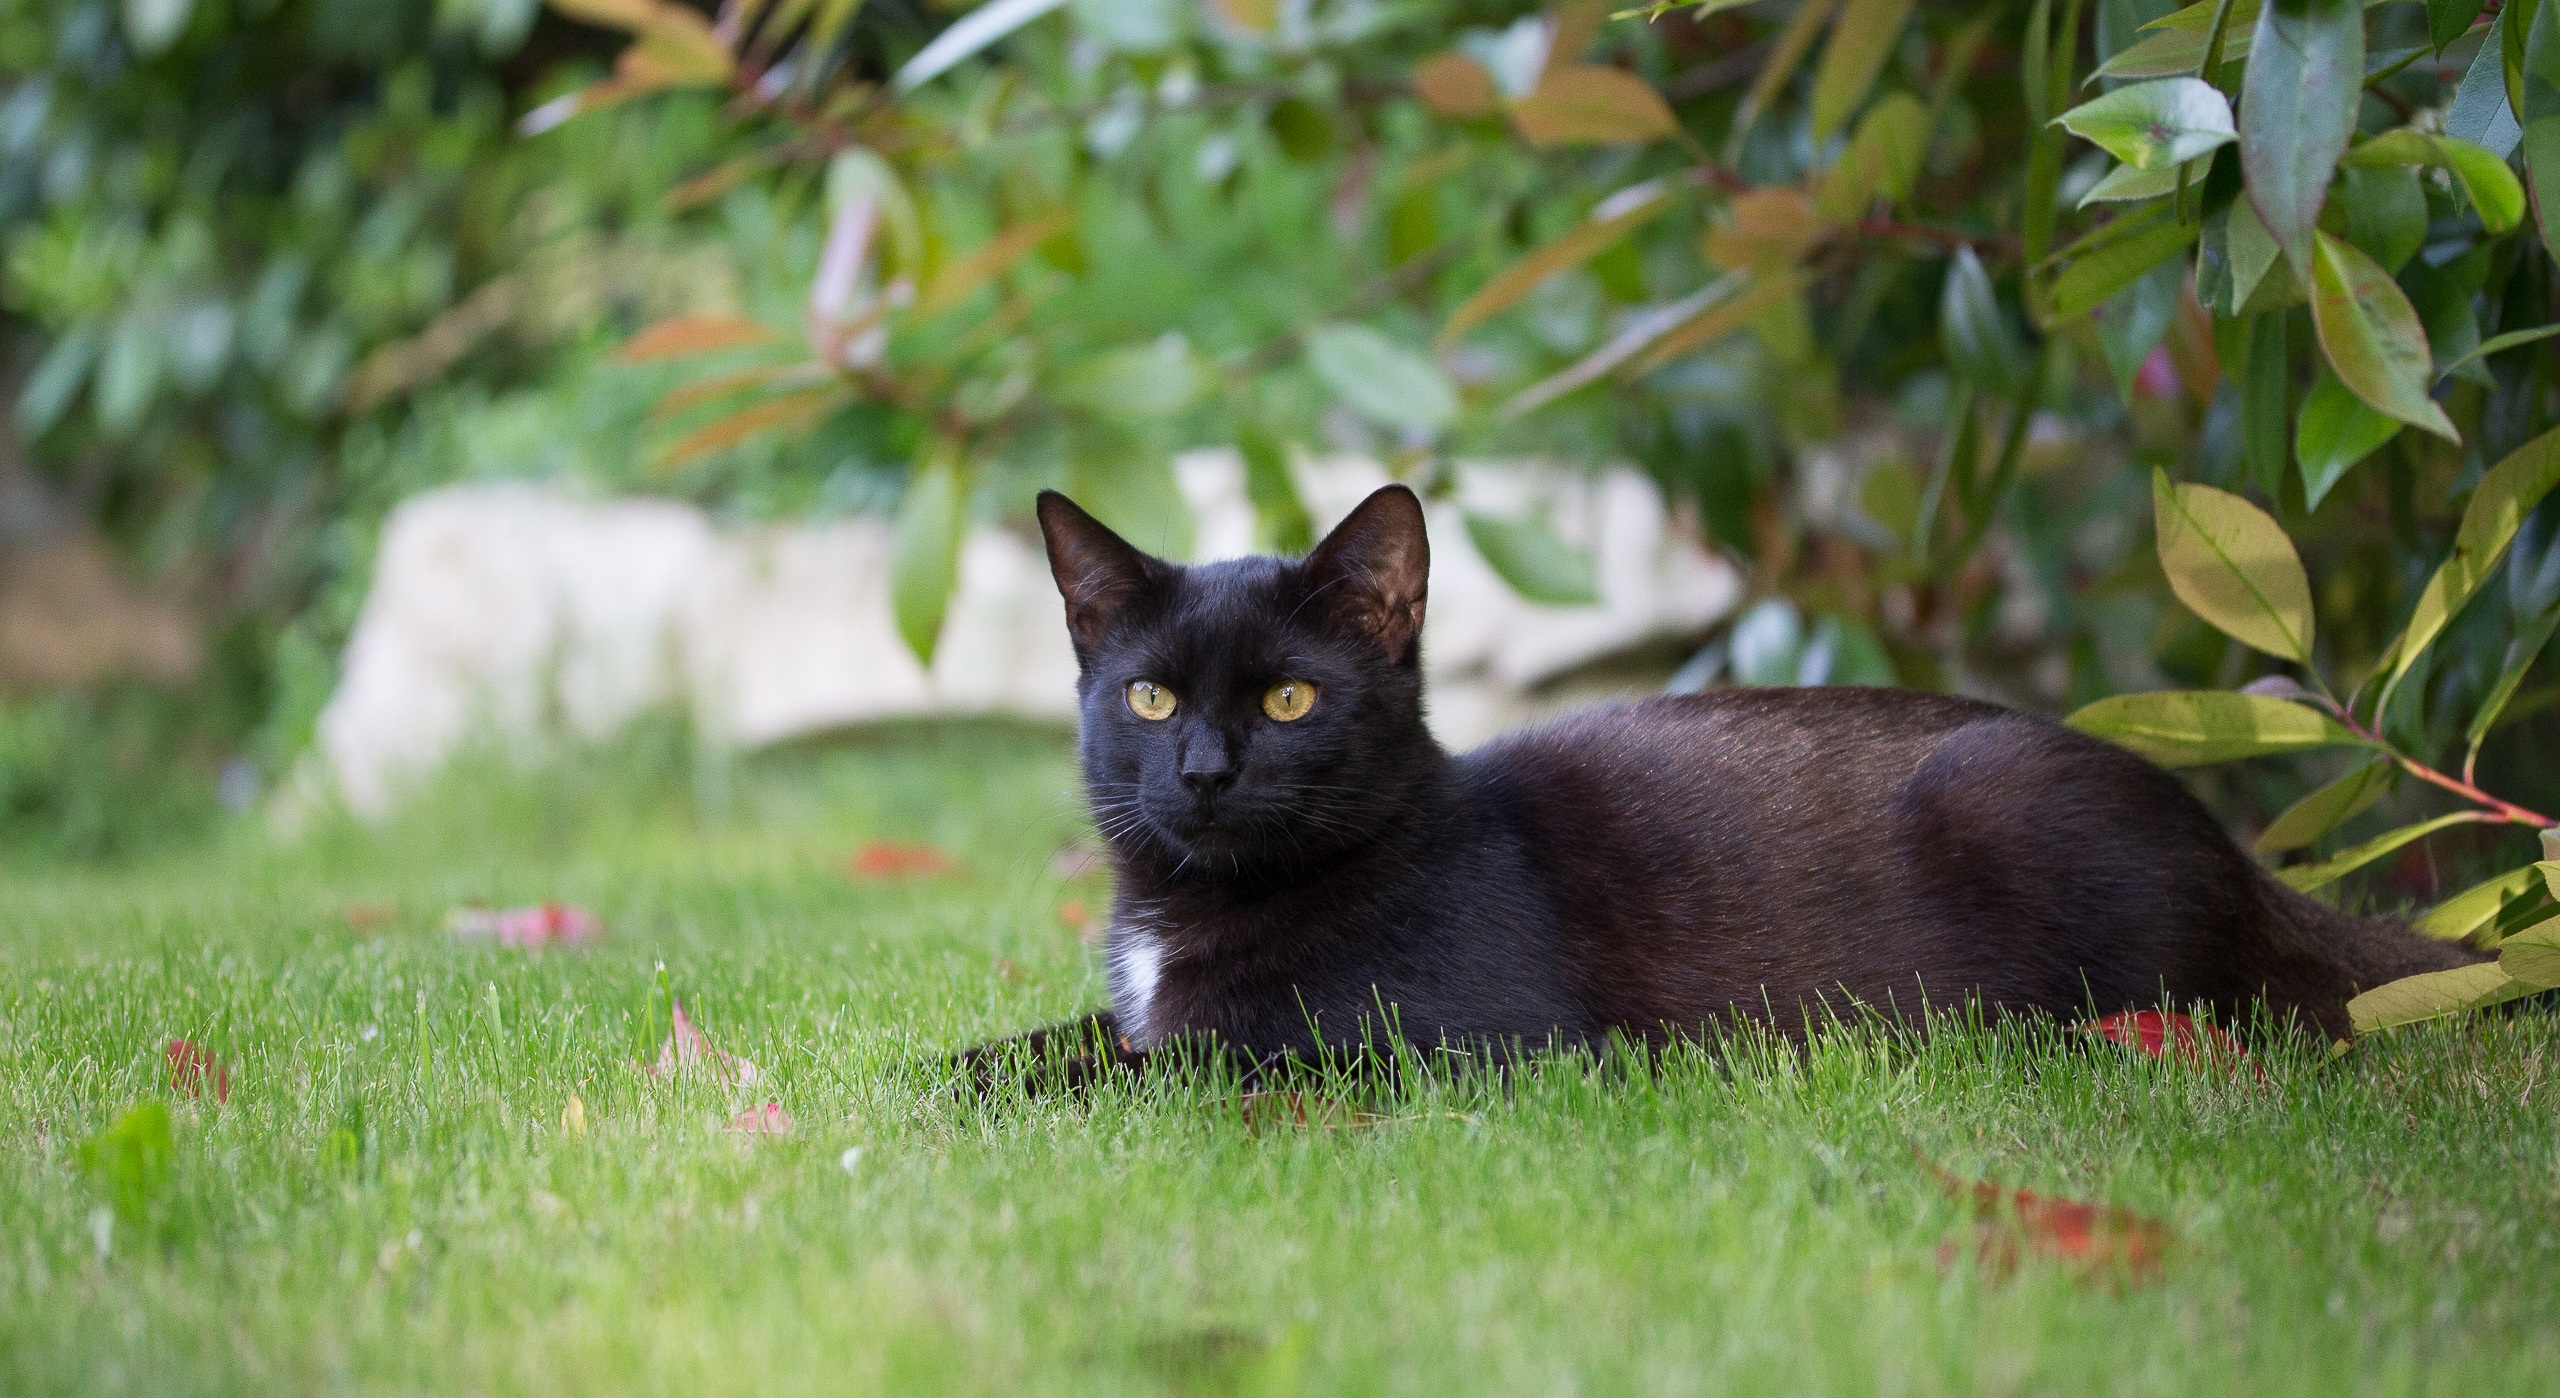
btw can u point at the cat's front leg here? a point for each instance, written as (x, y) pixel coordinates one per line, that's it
(1066, 1057)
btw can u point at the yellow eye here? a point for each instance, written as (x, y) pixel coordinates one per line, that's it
(1289, 700)
(1150, 700)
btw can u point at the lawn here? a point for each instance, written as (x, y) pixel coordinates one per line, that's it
(389, 1200)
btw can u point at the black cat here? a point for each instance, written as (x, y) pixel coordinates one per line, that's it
(1301, 867)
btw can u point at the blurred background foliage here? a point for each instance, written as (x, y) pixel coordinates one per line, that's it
(1827, 269)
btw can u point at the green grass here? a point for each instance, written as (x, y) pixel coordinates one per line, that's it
(2385, 1223)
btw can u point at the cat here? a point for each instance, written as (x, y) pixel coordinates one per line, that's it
(1302, 869)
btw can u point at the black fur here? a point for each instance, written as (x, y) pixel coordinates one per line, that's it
(1655, 869)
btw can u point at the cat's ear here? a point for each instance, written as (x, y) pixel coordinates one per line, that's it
(1097, 571)
(1373, 571)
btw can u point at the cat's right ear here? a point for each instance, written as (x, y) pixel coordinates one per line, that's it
(1098, 573)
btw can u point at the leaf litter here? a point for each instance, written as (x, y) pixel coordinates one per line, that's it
(2093, 1242)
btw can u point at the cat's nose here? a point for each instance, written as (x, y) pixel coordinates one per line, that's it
(1206, 768)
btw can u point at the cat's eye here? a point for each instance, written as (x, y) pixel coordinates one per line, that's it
(1151, 701)
(1289, 700)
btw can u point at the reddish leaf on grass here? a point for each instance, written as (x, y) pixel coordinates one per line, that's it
(543, 924)
(898, 859)
(687, 1051)
(767, 1120)
(2092, 1240)
(193, 1068)
(1261, 1111)
(369, 917)
(2167, 1034)
(1078, 919)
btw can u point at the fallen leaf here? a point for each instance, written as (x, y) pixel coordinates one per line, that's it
(2167, 1034)
(2091, 1240)
(767, 1120)
(1078, 918)
(573, 1118)
(192, 1067)
(896, 859)
(686, 1051)
(369, 917)
(543, 924)
(1300, 1110)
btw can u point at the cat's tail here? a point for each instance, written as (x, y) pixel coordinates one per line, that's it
(2322, 957)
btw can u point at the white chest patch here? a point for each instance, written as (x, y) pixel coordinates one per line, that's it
(1136, 962)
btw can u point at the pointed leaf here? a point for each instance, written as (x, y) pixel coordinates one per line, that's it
(1455, 85)
(1882, 159)
(2155, 125)
(695, 334)
(2532, 956)
(2297, 108)
(1381, 380)
(2480, 113)
(2303, 878)
(956, 279)
(803, 408)
(924, 563)
(1980, 347)
(2372, 336)
(1723, 318)
(1786, 54)
(1767, 228)
(2432, 996)
(1860, 44)
(2335, 432)
(2492, 187)
(2108, 261)
(2476, 907)
(2534, 86)
(2192, 728)
(1538, 565)
(2328, 808)
(1614, 219)
(2448, 20)
(2498, 507)
(1588, 104)
(2498, 344)
(968, 35)
(2233, 566)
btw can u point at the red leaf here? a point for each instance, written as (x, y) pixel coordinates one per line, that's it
(2090, 1239)
(767, 1120)
(1299, 1110)
(695, 334)
(894, 859)
(1078, 919)
(686, 1051)
(543, 924)
(191, 1067)
(369, 917)
(2164, 1034)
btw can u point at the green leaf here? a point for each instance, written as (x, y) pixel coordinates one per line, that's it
(2497, 344)
(132, 1160)
(1860, 43)
(2498, 506)
(2432, 995)
(2491, 186)
(2155, 125)
(2536, 82)
(2196, 727)
(2233, 566)
(2131, 323)
(968, 35)
(2448, 20)
(1980, 347)
(2169, 52)
(2328, 808)
(2266, 397)
(2110, 260)
(2476, 907)
(2480, 113)
(2385, 213)
(1617, 216)
(2532, 956)
(2126, 185)
(1537, 564)
(924, 562)
(1137, 383)
(1280, 520)
(2236, 256)
(58, 377)
(2335, 432)
(2531, 637)
(2305, 877)
(2297, 109)
(1381, 380)
(1786, 54)
(1882, 159)
(2372, 336)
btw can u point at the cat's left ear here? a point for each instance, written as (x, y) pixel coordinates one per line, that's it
(1098, 572)
(1374, 570)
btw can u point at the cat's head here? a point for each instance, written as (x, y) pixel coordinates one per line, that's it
(1246, 717)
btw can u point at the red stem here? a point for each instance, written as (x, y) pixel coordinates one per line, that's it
(2503, 810)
